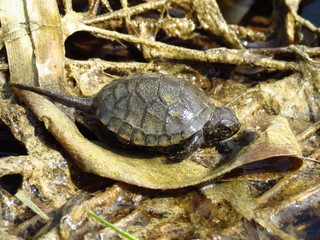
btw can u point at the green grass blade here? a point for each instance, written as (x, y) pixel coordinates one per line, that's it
(27, 201)
(106, 223)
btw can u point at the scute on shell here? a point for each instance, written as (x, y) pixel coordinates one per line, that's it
(152, 109)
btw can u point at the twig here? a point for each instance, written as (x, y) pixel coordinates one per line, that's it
(218, 55)
(122, 13)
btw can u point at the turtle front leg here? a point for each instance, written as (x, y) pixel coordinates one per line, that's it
(178, 152)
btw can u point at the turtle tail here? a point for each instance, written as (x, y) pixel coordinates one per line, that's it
(78, 103)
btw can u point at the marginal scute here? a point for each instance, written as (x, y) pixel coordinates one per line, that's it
(151, 140)
(176, 138)
(114, 124)
(164, 140)
(104, 100)
(125, 130)
(105, 117)
(137, 137)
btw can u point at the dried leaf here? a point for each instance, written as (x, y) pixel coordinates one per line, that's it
(156, 172)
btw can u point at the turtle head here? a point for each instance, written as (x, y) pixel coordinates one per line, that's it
(223, 124)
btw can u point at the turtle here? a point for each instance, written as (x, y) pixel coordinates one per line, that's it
(154, 111)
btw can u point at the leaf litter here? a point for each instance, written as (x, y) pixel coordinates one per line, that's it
(246, 186)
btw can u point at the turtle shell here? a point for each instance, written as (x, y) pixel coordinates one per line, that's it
(152, 109)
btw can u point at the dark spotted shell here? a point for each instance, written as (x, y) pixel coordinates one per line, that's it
(152, 109)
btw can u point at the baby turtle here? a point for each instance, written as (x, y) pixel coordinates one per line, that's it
(153, 111)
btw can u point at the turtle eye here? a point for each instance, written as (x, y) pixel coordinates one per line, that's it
(225, 128)
(225, 131)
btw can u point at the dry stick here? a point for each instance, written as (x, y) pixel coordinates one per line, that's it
(311, 51)
(309, 132)
(68, 6)
(124, 66)
(124, 3)
(305, 22)
(106, 5)
(218, 55)
(141, 8)
(93, 7)
(122, 13)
